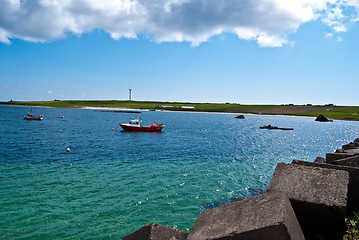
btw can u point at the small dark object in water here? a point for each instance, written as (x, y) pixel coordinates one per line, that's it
(240, 117)
(321, 118)
(274, 127)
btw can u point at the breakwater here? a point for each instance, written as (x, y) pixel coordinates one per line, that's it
(304, 200)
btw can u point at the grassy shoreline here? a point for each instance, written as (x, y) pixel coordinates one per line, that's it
(330, 111)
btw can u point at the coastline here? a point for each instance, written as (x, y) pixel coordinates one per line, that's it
(219, 111)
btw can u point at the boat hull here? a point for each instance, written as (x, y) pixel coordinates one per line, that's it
(276, 128)
(33, 118)
(141, 128)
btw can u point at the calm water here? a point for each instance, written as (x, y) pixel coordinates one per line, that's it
(113, 182)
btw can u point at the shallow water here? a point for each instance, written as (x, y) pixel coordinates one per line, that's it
(113, 182)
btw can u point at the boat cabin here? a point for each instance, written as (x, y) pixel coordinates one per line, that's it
(136, 122)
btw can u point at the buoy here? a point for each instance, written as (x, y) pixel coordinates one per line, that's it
(113, 129)
(67, 149)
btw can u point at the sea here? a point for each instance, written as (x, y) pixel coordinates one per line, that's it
(110, 182)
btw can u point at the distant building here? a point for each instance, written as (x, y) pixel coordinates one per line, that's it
(188, 107)
(167, 107)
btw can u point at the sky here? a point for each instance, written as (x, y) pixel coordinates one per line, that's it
(215, 51)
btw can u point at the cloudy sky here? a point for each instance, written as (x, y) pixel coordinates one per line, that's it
(243, 51)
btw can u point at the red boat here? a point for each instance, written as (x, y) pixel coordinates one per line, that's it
(135, 125)
(29, 116)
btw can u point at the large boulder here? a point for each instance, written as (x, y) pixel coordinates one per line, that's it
(266, 216)
(318, 196)
(320, 160)
(155, 231)
(321, 118)
(350, 161)
(341, 153)
(353, 189)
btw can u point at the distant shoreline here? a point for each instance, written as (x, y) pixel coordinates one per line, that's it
(330, 111)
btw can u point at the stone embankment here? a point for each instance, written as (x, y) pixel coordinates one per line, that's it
(304, 200)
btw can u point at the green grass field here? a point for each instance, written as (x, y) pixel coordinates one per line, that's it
(346, 113)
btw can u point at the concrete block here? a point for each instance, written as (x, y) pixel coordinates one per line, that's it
(318, 196)
(354, 151)
(330, 157)
(345, 152)
(348, 146)
(353, 187)
(155, 231)
(266, 216)
(350, 161)
(320, 160)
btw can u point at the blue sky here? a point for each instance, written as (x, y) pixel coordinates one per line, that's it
(239, 51)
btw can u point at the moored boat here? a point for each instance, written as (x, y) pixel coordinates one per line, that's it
(274, 127)
(136, 126)
(30, 116)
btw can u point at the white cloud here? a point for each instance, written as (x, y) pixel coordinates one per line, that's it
(268, 22)
(328, 35)
(270, 41)
(49, 92)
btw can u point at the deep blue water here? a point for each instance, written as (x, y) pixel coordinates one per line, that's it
(112, 182)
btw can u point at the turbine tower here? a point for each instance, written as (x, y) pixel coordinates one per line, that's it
(130, 90)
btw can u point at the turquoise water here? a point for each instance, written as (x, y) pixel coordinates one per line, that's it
(112, 182)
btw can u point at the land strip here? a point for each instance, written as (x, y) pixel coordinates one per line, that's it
(330, 111)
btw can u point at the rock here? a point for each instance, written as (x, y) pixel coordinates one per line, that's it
(240, 117)
(348, 146)
(353, 190)
(330, 157)
(321, 118)
(266, 216)
(354, 151)
(350, 161)
(341, 153)
(320, 160)
(318, 196)
(155, 231)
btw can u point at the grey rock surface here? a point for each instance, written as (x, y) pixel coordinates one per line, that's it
(267, 216)
(155, 231)
(353, 188)
(318, 196)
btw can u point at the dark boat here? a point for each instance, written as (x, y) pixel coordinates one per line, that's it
(275, 128)
(136, 126)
